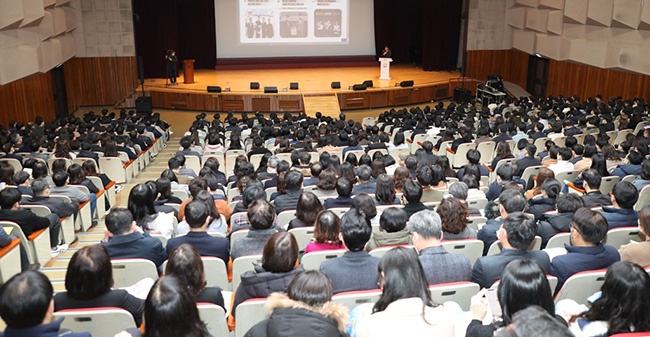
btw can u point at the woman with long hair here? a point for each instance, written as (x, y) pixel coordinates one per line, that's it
(326, 233)
(443, 162)
(622, 306)
(308, 208)
(326, 185)
(185, 264)
(141, 206)
(523, 284)
(544, 174)
(347, 171)
(405, 307)
(453, 214)
(90, 167)
(400, 176)
(611, 156)
(385, 193)
(503, 151)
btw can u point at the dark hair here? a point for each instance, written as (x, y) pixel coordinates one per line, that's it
(118, 221)
(592, 178)
(531, 149)
(252, 193)
(523, 283)
(624, 300)
(393, 219)
(351, 159)
(346, 171)
(400, 176)
(520, 230)
(591, 225)
(610, 153)
(512, 201)
(196, 213)
(169, 174)
(453, 214)
(60, 178)
(552, 187)
(399, 138)
(170, 310)
(89, 274)
(141, 205)
(261, 214)
(25, 299)
(503, 150)
(59, 165)
(506, 172)
(355, 229)
(164, 187)
(424, 175)
(385, 189)
(327, 227)
(473, 156)
(403, 277)
(326, 180)
(77, 174)
(364, 203)
(39, 170)
(293, 180)
(310, 287)
(412, 191)
(280, 253)
(599, 164)
(308, 208)
(645, 169)
(343, 187)
(9, 197)
(569, 203)
(185, 264)
(626, 194)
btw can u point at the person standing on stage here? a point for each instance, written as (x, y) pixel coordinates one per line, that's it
(172, 72)
(386, 53)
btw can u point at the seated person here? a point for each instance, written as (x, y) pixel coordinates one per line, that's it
(27, 307)
(643, 179)
(307, 211)
(505, 174)
(516, 234)
(61, 187)
(327, 231)
(622, 213)
(633, 166)
(392, 230)
(124, 240)
(58, 206)
(439, 266)
(563, 163)
(217, 223)
(550, 225)
(591, 183)
(545, 202)
(261, 215)
(88, 283)
(586, 252)
(454, 214)
(356, 269)
(459, 191)
(175, 166)
(639, 253)
(365, 184)
(528, 160)
(197, 216)
(315, 169)
(412, 193)
(289, 200)
(344, 189)
(510, 201)
(141, 205)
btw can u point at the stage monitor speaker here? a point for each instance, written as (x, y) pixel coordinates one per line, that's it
(368, 83)
(255, 85)
(462, 95)
(293, 86)
(336, 85)
(358, 87)
(214, 88)
(270, 90)
(404, 84)
(143, 104)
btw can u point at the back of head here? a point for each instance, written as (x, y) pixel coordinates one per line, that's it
(252, 193)
(565, 153)
(459, 190)
(185, 264)
(119, 221)
(552, 187)
(393, 219)
(531, 149)
(591, 225)
(569, 203)
(523, 283)
(506, 172)
(520, 230)
(412, 191)
(89, 273)
(39, 186)
(280, 253)
(364, 173)
(310, 287)
(355, 229)
(424, 175)
(402, 277)
(512, 201)
(343, 187)
(293, 180)
(25, 299)
(473, 156)
(9, 197)
(626, 194)
(261, 214)
(60, 178)
(592, 178)
(170, 310)
(196, 213)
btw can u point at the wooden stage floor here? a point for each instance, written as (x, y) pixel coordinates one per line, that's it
(311, 80)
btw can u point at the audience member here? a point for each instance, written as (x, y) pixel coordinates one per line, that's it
(344, 190)
(392, 229)
(261, 215)
(639, 253)
(593, 197)
(327, 230)
(622, 213)
(551, 224)
(510, 201)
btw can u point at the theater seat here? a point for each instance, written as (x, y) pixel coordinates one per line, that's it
(106, 321)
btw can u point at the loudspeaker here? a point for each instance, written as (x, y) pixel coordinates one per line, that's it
(214, 88)
(462, 95)
(293, 86)
(368, 83)
(404, 84)
(255, 85)
(358, 87)
(336, 85)
(141, 70)
(143, 104)
(270, 90)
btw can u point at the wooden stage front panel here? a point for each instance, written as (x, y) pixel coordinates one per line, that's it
(429, 86)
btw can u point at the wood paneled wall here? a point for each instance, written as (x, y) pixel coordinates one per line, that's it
(511, 65)
(100, 80)
(25, 99)
(566, 78)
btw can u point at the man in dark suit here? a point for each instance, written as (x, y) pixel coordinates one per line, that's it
(58, 206)
(356, 269)
(315, 169)
(529, 160)
(439, 266)
(516, 234)
(510, 201)
(186, 143)
(293, 182)
(261, 216)
(593, 197)
(197, 217)
(344, 189)
(87, 152)
(124, 240)
(258, 147)
(538, 131)
(120, 144)
(364, 173)
(622, 213)
(412, 193)
(503, 134)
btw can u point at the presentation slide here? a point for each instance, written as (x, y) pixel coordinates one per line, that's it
(289, 28)
(293, 21)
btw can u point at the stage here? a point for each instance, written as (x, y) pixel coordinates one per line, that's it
(314, 93)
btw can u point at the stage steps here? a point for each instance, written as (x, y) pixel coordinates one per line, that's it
(326, 103)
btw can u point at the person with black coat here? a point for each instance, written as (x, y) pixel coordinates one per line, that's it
(546, 201)
(549, 225)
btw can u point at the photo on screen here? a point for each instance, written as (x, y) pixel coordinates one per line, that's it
(327, 22)
(293, 24)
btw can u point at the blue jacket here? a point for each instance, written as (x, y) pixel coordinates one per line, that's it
(205, 244)
(619, 217)
(488, 233)
(136, 246)
(488, 269)
(43, 330)
(352, 271)
(581, 259)
(627, 169)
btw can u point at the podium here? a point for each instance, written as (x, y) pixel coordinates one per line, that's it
(384, 66)
(188, 71)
